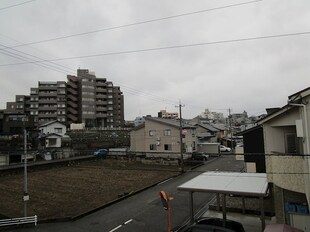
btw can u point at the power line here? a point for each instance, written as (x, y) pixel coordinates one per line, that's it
(129, 90)
(167, 48)
(15, 5)
(137, 23)
(49, 65)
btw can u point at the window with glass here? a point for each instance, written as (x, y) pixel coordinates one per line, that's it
(167, 132)
(168, 147)
(153, 147)
(152, 132)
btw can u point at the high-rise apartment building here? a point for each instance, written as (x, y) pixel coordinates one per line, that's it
(48, 101)
(94, 101)
(82, 99)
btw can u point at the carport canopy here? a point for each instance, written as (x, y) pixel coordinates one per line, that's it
(236, 183)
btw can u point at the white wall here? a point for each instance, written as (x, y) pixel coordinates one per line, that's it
(51, 128)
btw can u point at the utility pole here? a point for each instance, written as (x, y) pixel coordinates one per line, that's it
(230, 129)
(26, 196)
(181, 136)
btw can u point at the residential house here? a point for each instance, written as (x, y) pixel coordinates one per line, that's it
(170, 115)
(51, 133)
(161, 137)
(286, 144)
(207, 133)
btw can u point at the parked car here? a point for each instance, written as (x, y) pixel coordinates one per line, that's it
(213, 224)
(200, 156)
(223, 148)
(101, 153)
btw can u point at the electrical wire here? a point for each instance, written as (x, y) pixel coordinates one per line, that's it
(167, 47)
(15, 5)
(135, 24)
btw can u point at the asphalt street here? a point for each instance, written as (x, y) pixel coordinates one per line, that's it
(144, 211)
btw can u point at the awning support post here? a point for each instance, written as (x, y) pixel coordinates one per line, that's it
(191, 207)
(218, 202)
(224, 210)
(243, 205)
(262, 213)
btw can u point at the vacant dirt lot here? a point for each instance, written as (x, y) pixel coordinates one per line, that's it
(69, 191)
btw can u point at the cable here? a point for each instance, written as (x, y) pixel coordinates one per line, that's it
(27, 59)
(27, 54)
(137, 23)
(167, 48)
(51, 65)
(11, 6)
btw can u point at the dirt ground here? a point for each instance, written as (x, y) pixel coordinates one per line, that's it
(69, 191)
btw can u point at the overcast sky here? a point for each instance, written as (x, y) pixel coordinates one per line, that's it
(218, 74)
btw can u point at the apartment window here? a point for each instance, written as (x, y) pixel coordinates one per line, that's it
(167, 132)
(168, 147)
(153, 147)
(291, 143)
(152, 132)
(52, 142)
(58, 130)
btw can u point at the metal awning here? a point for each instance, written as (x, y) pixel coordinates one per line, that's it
(244, 184)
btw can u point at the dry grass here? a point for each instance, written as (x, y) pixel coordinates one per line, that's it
(70, 191)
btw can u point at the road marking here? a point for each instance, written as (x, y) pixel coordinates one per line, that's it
(116, 228)
(125, 223)
(164, 181)
(128, 221)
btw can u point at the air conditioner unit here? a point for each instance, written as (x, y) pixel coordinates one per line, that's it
(157, 143)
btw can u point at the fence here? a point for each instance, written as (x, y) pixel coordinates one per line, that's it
(19, 221)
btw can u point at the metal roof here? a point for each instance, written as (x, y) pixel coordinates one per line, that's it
(246, 184)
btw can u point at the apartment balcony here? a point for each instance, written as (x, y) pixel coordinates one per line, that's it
(101, 115)
(47, 94)
(101, 90)
(43, 115)
(72, 118)
(101, 96)
(72, 104)
(72, 111)
(51, 100)
(54, 87)
(61, 93)
(72, 98)
(101, 108)
(72, 91)
(47, 108)
(72, 85)
(101, 103)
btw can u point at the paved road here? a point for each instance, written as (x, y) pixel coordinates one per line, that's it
(143, 211)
